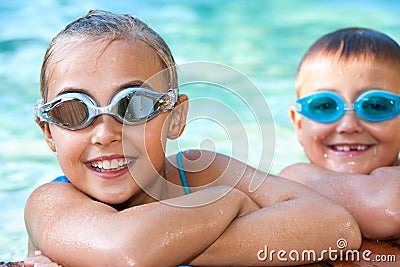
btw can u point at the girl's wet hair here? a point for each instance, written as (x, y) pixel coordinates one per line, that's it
(354, 43)
(103, 25)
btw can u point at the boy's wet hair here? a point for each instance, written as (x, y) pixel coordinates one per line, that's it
(354, 43)
(108, 26)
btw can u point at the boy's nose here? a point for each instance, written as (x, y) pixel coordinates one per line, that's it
(349, 123)
(106, 130)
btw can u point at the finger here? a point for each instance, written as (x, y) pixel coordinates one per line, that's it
(48, 264)
(31, 261)
(38, 253)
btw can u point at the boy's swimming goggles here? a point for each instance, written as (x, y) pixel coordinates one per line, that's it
(326, 106)
(132, 106)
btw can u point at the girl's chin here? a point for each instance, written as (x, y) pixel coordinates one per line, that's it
(111, 199)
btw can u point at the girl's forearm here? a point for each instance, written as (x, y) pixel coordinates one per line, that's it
(76, 231)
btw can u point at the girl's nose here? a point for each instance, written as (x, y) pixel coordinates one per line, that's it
(349, 123)
(106, 130)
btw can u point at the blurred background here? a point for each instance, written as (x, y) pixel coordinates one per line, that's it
(264, 40)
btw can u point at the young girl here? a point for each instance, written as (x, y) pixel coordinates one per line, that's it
(347, 120)
(110, 101)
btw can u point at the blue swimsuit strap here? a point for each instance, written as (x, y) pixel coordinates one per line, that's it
(61, 179)
(182, 174)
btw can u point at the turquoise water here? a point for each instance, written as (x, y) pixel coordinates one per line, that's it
(264, 40)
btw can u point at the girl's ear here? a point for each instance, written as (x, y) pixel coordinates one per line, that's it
(296, 120)
(177, 117)
(47, 133)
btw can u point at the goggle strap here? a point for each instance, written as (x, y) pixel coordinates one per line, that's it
(297, 107)
(169, 100)
(38, 110)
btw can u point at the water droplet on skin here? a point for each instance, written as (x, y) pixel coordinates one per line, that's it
(375, 151)
(390, 212)
(325, 155)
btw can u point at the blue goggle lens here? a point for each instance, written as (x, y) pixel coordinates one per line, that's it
(324, 106)
(377, 108)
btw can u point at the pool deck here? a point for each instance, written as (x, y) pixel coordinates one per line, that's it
(12, 264)
(378, 248)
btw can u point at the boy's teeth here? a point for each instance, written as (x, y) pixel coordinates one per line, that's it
(110, 165)
(343, 148)
(350, 148)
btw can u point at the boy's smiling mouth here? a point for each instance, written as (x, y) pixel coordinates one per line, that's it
(349, 147)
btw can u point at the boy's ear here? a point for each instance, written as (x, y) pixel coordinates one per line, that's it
(296, 120)
(178, 117)
(47, 133)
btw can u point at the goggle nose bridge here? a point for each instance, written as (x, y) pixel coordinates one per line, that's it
(348, 108)
(95, 111)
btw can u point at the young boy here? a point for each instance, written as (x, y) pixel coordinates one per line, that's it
(347, 120)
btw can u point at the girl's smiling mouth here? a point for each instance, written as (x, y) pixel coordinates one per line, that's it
(111, 166)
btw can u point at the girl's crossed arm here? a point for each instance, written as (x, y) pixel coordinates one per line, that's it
(292, 217)
(74, 230)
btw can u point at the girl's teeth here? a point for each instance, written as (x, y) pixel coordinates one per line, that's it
(114, 164)
(110, 165)
(106, 164)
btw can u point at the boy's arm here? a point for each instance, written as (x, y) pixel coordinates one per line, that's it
(374, 199)
(74, 230)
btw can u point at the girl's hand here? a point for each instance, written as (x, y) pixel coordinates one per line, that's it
(39, 260)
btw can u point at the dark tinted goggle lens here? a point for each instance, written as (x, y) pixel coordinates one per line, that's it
(70, 113)
(134, 107)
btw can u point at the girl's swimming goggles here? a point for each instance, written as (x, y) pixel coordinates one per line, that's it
(326, 106)
(131, 106)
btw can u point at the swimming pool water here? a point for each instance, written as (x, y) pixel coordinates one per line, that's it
(264, 40)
